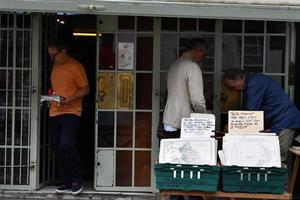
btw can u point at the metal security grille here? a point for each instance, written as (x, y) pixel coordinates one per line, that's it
(15, 100)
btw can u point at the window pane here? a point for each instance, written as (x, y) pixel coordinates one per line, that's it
(1, 175)
(106, 129)
(3, 48)
(9, 127)
(2, 126)
(16, 175)
(232, 52)
(276, 27)
(275, 54)
(144, 53)
(145, 23)
(143, 130)
(25, 127)
(2, 155)
(27, 51)
(26, 88)
(188, 24)
(20, 22)
(10, 49)
(254, 26)
(207, 25)
(280, 80)
(232, 26)
(106, 90)
(3, 98)
(25, 157)
(168, 52)
(169, 24)
(142, 176)
(143, 91)
(17, 156)
(126, 23)
(253, 54)
(125, 90)
(124, 129)
(24, 176)
(208, 81)
(163, 89)
(19, 49)
(124, 168)
(8, 175)
(17, 131)
(27, 21)
(107, 52)
(209, 61)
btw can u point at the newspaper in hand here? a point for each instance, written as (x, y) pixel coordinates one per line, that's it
(50, 98)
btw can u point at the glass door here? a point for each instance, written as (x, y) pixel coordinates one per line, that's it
(125, 137)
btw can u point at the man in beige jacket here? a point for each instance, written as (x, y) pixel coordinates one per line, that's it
(185, 92)
(185, 88)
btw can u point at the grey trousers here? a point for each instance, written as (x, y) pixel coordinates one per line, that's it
(286, 137)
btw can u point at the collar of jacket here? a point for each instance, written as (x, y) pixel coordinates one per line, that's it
(186, 55)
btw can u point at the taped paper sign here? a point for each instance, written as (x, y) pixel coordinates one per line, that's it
(245, 121)
(196, 127)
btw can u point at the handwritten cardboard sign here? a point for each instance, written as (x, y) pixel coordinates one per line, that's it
(196, 127)
(245, 121)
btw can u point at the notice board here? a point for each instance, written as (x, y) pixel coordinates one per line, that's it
(198, 126)
(245, 121)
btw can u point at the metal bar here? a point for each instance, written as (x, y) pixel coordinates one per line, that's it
(35, 58)
(265, 47)
(155, 98)
(14, 95)
(217, 69)
(287, 58)
(22, 100)
(6, 104)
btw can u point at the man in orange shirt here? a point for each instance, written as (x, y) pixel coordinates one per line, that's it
(69, 81)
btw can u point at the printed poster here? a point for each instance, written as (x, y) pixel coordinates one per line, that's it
(125, 55)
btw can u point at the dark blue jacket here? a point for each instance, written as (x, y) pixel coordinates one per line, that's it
(264, 93)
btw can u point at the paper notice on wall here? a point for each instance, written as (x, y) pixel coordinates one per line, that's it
(125, 55)
(245, 121)
(196, 127)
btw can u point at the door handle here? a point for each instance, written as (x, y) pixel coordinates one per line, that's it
(33, 90)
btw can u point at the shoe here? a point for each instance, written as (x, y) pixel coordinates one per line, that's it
(76, 188)
(63, 188)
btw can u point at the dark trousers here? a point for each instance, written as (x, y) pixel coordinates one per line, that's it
(63, 129)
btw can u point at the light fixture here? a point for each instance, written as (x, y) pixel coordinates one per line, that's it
(85, 34)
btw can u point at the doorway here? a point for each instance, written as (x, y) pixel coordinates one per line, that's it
(76, 31)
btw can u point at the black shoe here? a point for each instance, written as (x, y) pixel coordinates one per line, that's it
(76, 188)
(64, 188)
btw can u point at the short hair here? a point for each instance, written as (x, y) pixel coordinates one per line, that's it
(59, 44)
(196, 43)
(233, 73)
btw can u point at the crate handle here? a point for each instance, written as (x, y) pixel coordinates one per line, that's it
(266, 177)
(191, 174)
(249, 176)
(199, 175)
(258, 177)
(242, 176)
(174, 174)
(182, 174)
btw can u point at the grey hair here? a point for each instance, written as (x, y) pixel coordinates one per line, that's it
(233, 73)
(196, 43)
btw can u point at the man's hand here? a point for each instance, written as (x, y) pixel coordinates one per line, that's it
(65, 100)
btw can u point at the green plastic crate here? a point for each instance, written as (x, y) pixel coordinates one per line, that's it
(253, 179)
(187, 177)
